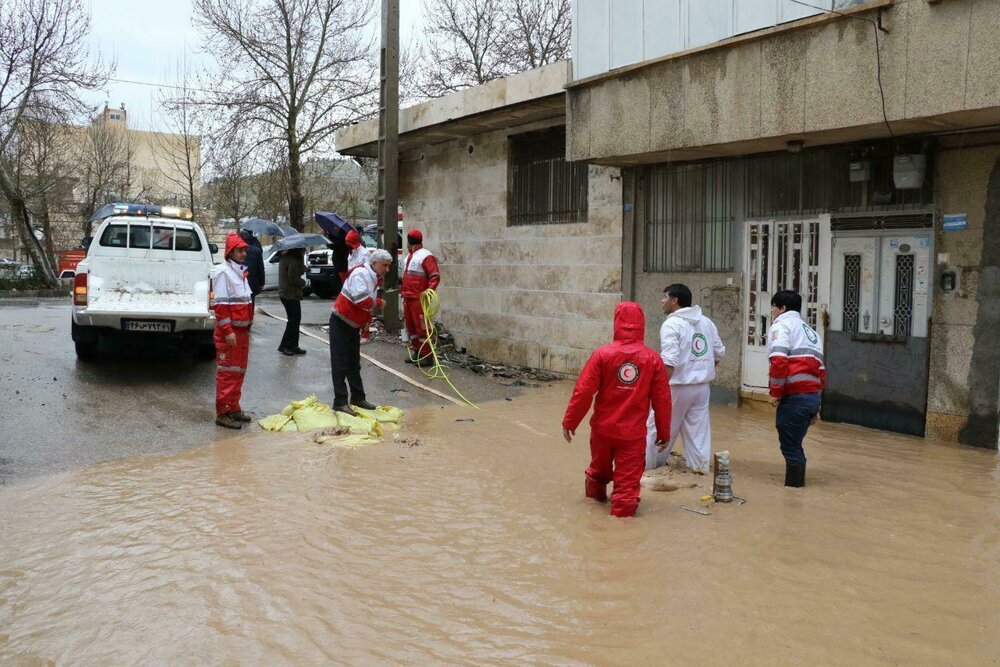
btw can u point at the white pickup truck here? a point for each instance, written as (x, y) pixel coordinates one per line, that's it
(147, 271)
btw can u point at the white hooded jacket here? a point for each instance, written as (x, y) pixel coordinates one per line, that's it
(690, 343)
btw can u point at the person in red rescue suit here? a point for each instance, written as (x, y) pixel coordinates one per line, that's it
(628, 378)
(359, 256)
(797, 377)
(351, 312)
(232, 302)
(420, 273)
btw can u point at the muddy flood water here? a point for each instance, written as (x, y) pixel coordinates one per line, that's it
(477, 547)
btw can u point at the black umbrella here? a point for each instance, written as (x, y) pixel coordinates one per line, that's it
(331, 223)
(298, 240)
(262, 227)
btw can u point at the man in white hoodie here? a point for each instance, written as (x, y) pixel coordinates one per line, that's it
(691, 349)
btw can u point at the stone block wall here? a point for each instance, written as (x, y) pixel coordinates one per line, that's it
(965, 343)
(535, 295)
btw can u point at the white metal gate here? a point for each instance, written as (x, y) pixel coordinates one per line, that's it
(881, 283)
(781, 254)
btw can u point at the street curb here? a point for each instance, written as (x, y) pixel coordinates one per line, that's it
(18, 295)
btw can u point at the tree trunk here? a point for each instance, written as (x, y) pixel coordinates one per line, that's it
(296, 201)
(46, 221)
(22, 219)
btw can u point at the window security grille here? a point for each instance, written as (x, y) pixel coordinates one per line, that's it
(689, 217)
(852, 292)
(903, 302)
(544, 188)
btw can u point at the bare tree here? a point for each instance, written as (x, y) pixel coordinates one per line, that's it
(105, 154)
(230, 157)
(291, 71)
(470, 42)
(270, 188)
(539, 32)
(39, 158)
(178, 151)
(44, 65)
(464, 45)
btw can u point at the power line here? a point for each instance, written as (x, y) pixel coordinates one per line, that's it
(165, 85)
(878, 52)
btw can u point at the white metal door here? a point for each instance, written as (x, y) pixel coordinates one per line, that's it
(881, 284)
(852, 304)
(904, 286)
(781, 254)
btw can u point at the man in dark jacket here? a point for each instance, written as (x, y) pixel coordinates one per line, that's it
(628, 379)
(254, 263)
(291, 266)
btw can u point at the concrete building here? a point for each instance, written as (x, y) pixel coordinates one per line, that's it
(853, 157)
(110, 161)
(529, 245)
(740, 147)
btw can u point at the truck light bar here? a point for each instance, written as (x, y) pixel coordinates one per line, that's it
(142, 210)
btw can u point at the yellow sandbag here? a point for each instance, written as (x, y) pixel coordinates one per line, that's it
(290, 426)
(307, 402)
(360, 425)
(288, 410)
(355, 440)
(313, 417)
(385, 414)
(274, 422)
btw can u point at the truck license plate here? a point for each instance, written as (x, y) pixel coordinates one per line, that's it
(313, 272)
(147, 325)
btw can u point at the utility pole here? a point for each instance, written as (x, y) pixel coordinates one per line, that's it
(388, 158)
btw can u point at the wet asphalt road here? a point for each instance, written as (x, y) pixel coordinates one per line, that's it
(146, 396)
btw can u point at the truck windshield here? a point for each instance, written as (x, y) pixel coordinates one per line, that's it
(157, 237)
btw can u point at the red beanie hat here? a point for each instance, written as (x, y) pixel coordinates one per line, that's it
(353, 240)
(415, 236)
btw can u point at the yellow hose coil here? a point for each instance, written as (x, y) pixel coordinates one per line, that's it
(430, 305)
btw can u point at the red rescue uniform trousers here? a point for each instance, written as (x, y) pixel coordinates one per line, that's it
(231, 368)
(623, 461)
(416, 327)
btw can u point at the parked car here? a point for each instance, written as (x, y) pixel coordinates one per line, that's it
(147, 272)
(271, 259)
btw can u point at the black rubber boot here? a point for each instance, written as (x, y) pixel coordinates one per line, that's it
(795, 475)
(364, 405)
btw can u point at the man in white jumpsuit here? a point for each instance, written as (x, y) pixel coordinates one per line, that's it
(691, 349)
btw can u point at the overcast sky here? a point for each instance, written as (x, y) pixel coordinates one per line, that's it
(148, 41)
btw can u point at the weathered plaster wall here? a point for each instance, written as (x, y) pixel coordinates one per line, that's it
(965, 354)
(936, 60)
(540, 295)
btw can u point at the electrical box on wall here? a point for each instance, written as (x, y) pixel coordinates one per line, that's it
(950, 279)
(860, 171)
(908, 171)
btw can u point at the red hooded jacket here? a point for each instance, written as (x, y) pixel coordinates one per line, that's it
(627, 377)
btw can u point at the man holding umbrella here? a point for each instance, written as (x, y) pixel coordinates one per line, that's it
(337, 229)
(254, 260)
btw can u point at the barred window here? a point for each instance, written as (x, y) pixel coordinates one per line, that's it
(542, 187)
(689, 217)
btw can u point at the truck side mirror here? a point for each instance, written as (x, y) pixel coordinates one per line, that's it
(214, 248)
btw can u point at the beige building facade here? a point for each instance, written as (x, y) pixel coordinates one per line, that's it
(529, 277)
(852, 157)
